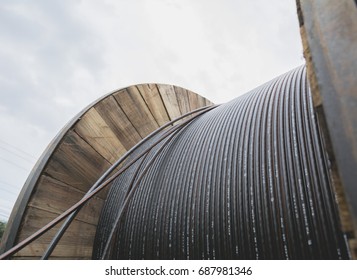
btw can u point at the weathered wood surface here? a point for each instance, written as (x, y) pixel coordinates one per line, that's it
(169, 98)
(153, 100)
(182, 97)
(52, 195)
(118, 122)
(83, 151)
(77, 239)
(95, 131)
(76, 163)
(329, 35)
(134, 106)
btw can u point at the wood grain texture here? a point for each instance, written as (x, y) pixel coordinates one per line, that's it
(95, 131)
(134, 106)
(152, 97)
(77, 240)
(87, 147)
(52, 196)
(76, 163)
(192, 100)
(118, 122)
(182, 100)
(169, 98)
(208, 102)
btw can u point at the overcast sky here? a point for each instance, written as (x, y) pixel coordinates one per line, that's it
(58, 56)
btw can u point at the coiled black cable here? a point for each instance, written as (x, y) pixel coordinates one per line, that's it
(247, 180)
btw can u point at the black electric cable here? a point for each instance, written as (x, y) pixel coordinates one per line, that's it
(249, 180)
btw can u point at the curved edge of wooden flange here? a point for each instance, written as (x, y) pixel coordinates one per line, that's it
(168, 94)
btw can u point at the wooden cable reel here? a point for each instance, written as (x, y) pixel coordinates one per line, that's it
(96, 138)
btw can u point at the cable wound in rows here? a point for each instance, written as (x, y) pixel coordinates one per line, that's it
(246, 180)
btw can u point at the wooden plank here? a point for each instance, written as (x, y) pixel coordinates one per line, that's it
(98, 134)
(36, 250)
(208, 102)
(70, 258)
(77, 240)
(152, 97)
(76, 163)
(182, 99)
(201, 101)
(56, 197)
(118, 122)
(135, 108)
(193, 100)
(168, 95)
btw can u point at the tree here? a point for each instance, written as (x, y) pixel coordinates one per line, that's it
(2, 228)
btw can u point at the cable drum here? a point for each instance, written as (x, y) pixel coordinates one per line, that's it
(246, 180)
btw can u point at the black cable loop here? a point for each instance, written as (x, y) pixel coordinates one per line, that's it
(131, 191)
(246, 181)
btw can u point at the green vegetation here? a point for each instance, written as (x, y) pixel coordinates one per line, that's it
(2, 228)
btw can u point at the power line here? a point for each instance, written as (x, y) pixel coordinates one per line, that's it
(4, 218)
(15, 190)
(16, 148)
(13, 163)
(18, 155)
